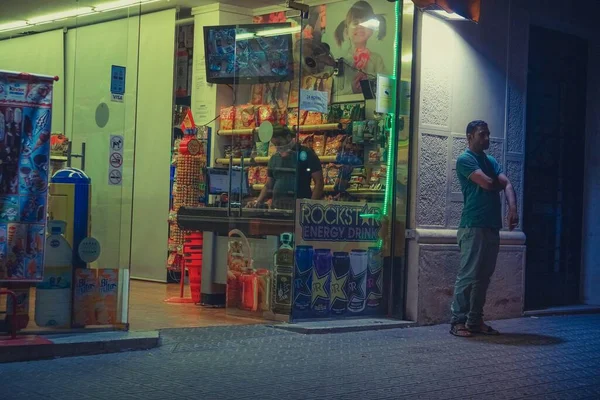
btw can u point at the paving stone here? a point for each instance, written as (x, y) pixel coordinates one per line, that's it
(537, 358)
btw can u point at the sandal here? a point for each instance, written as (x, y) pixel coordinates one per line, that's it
(460, 330)
(482, 329)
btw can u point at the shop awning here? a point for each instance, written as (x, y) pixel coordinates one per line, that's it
(469, 9)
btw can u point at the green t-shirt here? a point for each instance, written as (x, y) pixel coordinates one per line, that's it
(482, 208)
(283, 170)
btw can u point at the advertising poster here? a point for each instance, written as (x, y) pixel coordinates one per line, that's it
(25, 118)
(338, 263)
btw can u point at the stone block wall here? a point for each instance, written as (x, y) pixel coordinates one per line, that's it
(467, 72)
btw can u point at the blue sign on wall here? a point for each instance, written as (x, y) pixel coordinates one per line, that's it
(117, 80)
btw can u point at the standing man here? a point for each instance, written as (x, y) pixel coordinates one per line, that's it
(290, 172)
(481, 180)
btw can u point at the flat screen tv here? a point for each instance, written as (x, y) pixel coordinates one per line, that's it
(256, 53)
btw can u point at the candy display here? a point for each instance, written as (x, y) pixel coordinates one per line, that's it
(188, 189)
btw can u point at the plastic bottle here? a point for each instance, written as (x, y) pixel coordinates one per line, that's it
(53, 294)
(281, 291)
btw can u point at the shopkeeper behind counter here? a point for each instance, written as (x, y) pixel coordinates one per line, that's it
(282, 182)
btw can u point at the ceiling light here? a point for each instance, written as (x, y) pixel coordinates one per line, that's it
(11, 26)
(120, 4)
(44, 19)
(446, 15)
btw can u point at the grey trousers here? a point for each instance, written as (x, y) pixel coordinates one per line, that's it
(478, 255)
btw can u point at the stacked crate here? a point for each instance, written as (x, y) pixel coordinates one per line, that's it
(192, 253)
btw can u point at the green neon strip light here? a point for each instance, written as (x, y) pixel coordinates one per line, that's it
(393, 136)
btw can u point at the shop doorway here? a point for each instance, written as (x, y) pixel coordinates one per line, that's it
(554, 166)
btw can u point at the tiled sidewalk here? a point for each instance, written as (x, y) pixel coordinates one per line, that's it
(543, 358)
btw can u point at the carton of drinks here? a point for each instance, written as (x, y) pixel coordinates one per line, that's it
(106, 302)
(84, 297)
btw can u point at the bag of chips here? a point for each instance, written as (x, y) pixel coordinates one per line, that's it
(245, 144)
(334, 145)
(245, 117)
(272, 149)
(252, 176)
(263, 175)
(319, 144)
(358, 131)
(227, 116)
(332, 172)
(262, 149)
(265, 113)
(257, 94)
(313, 118)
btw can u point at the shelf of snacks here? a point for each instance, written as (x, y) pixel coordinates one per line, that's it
(366, 193)
(235, 161)
(259, 186)
(301, 129)
(317, 128)
(265, 160)
(236, 132)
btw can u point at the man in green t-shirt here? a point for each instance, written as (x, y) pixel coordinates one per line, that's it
(290, 172)
(481, 180)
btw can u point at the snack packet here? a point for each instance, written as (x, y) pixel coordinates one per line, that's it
(265, 113)
(319, 144)
(245, 117)
(334, 145)
(227, 116)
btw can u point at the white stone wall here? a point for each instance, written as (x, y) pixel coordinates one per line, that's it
(466, 72)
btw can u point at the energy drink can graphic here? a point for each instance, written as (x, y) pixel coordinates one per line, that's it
(303, 278)
(321, 282)
(340, 272)
(357, 284)
(374, 278)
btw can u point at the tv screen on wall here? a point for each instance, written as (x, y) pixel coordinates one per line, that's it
(249, 53)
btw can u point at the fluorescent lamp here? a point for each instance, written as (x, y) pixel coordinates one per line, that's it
(244, 36)
(372, 23)
(278, 31)
(266, 33)
(44, 19)
(120, 4)
(11, 26)
(446, 15)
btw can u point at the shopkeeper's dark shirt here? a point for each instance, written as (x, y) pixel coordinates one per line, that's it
(283, 171)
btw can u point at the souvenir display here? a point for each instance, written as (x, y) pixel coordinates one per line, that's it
(25, 124)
